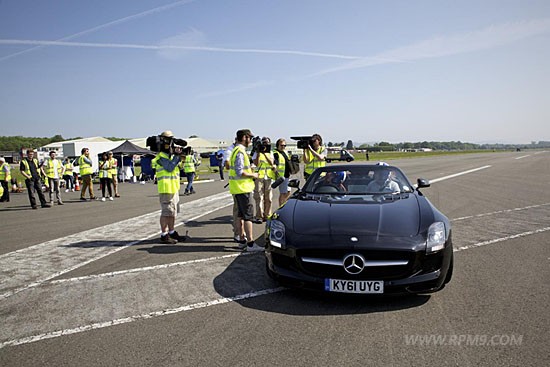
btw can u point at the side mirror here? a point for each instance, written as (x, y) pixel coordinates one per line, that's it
(421, 182)
(294, 183)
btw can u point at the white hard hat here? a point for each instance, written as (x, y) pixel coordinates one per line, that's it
(167, 134)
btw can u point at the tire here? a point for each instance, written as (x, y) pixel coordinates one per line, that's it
(450, 271)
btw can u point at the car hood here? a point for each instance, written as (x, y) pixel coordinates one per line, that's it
(399, 218)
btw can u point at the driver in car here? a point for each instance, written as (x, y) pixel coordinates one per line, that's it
(382, 183)
(334, 179)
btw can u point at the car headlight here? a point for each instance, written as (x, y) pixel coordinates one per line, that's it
(277, 233)
(436, 237)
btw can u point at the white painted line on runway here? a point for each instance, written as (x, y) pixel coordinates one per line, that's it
(29, 267)
(458, 174)
(500, 212)
(528, 233)
(146, 268)
(523, 156)
(125, 320)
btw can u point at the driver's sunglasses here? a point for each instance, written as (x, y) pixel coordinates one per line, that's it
(282, 145)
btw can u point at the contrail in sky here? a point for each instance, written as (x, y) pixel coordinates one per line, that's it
(174, 47)
(490, 37)
(103, 26)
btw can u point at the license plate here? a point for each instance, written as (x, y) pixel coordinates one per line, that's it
(354, 286)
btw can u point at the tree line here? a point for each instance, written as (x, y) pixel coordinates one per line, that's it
(16, 143)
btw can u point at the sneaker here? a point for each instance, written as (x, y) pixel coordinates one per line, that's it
(186, 192)
(34, 207)
(72, 190)
(117, 195)
(66, 190)
(92, 198)
(47, 205)
(257, 221)
(111, 198)
(83, 199)
(193, 192)
(254, 247)
(59, 202)
(167, 239)
(103, 199)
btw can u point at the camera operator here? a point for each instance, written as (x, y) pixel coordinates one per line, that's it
(263, 195)
(167, 164)
(241, 185)
(314, 155)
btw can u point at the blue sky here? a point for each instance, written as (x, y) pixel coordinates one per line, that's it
(475, 71)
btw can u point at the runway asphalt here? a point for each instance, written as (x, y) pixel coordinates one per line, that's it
(89, 284)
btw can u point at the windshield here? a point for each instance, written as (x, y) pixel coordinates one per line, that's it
(358, 180)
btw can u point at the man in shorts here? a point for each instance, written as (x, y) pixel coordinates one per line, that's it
(167, 165)
(241, 186)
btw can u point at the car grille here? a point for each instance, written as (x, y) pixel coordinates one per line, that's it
(386, 265)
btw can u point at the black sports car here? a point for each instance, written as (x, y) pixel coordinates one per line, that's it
(360, 229)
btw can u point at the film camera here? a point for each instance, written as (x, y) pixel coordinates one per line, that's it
(303, 141)
(261, 145)
(165, 143)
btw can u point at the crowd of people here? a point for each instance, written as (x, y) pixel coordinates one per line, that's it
(54, 173)
(250, 178)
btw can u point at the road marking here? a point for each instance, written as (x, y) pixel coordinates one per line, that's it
(479, 244)
(146, 268)
(145, 316)
(29, 267)
(523, 156)
(500, 212)
(459, 174)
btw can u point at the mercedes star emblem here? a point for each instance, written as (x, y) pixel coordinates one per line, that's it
(354, 263)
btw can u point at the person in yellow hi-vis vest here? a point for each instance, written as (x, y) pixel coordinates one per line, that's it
(105, 176)
(68, 174)
(86, 171)
(189, 163)
(167, 165)
(113, 163)
(53, 169)
(29, 169)
(241, 185)
(265, 166)
(5, 177)
(314, 155)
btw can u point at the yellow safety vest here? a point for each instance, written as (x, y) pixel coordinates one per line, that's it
(189, 165)
(68, 168)
(282, 164)
(48, 168)
(167, 182)
(113, 163)
(5, 176)
(27, 168)
(242, 184)
(104, 172)
(85, 168)
(314, 162)
(264, 167)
